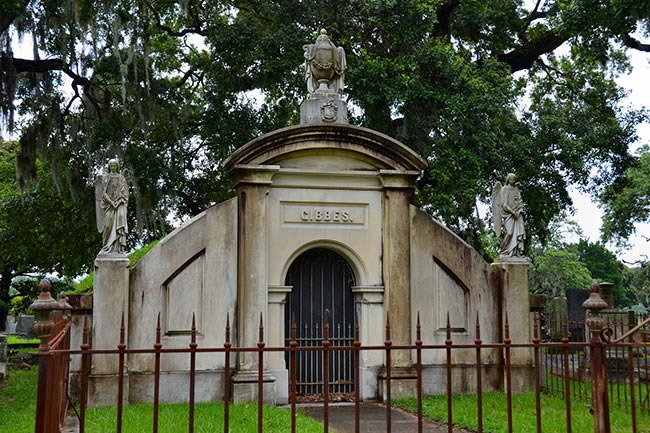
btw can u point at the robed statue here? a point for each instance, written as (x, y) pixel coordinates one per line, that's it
(111, 199)
(508, 217)
(324, 66)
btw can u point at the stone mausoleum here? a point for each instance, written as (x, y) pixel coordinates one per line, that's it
(322, 219)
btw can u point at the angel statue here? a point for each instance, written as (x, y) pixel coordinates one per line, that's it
(111, 198)
(508, 217)
(324, 66)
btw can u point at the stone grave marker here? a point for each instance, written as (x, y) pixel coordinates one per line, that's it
(25, 326)
(10, 325)
(3, 356)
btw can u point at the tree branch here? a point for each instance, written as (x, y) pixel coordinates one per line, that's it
(631, 42)
(179, 33)
(9, 16)
(42, 66)
(524, 56)
(444, 14)
(535, 14)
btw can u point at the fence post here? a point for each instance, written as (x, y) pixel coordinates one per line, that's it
(600, 403)
(46, 416)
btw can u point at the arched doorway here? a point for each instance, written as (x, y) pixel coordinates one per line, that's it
(321, 279)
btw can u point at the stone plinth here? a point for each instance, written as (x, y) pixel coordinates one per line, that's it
(245, 385)
(326, 108)
(110, 301)
(403, 383)
(515, 301)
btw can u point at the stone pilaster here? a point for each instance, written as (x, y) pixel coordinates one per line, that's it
(515, 303)
(396, 242)
(110, 301)
(252, 283)
(277, 365)
(369, 302)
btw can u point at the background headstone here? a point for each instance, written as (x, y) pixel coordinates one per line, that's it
(576, 313)
(557, 314)
(25, 326)
(10, 326)
(3, 356)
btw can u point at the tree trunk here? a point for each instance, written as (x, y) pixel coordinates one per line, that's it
(5, 283)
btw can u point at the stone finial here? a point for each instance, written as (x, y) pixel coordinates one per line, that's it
(325, 66)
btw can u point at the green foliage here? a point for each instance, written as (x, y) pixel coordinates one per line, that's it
(636, 283)
(26, 292)
(138, 254)
(557, 270)
(627, 201)
(169, 88)
(42, 230)
(603, 266)
(85, 285)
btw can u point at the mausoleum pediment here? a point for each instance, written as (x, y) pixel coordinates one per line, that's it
(327, 147)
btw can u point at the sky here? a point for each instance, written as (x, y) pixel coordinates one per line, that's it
(588, 215)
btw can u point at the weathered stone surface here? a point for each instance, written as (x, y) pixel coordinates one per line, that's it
(508, 217)
(10, 325)
(3, 356)
(192, 271)
(325, 110)
(174, 386)
(81, 301)
(516, 304)
(325, 66)
(111, 200)
(110, 297)
(103, 389)
(245, 387)
(25, 326)
(450, 279)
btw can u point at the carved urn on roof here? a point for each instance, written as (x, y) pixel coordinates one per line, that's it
(324, 65)
(324, 72)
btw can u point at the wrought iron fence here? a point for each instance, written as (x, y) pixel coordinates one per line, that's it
(553, 361)
(627, 365)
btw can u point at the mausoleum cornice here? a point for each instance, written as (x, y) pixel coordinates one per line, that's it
(382, 151)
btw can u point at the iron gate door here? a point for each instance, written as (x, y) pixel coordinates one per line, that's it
(322, 280)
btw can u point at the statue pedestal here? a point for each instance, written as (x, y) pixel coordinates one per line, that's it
(515, 303)
(323, 108)
(110, 301)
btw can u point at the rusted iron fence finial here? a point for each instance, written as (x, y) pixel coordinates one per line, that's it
(595, 323)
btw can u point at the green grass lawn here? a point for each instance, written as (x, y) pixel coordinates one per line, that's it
(13, 340)
(18, 406)
(208, 418)
(18, 401)
(495, 415)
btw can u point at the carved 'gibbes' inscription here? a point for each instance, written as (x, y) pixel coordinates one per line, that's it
(324, 213)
